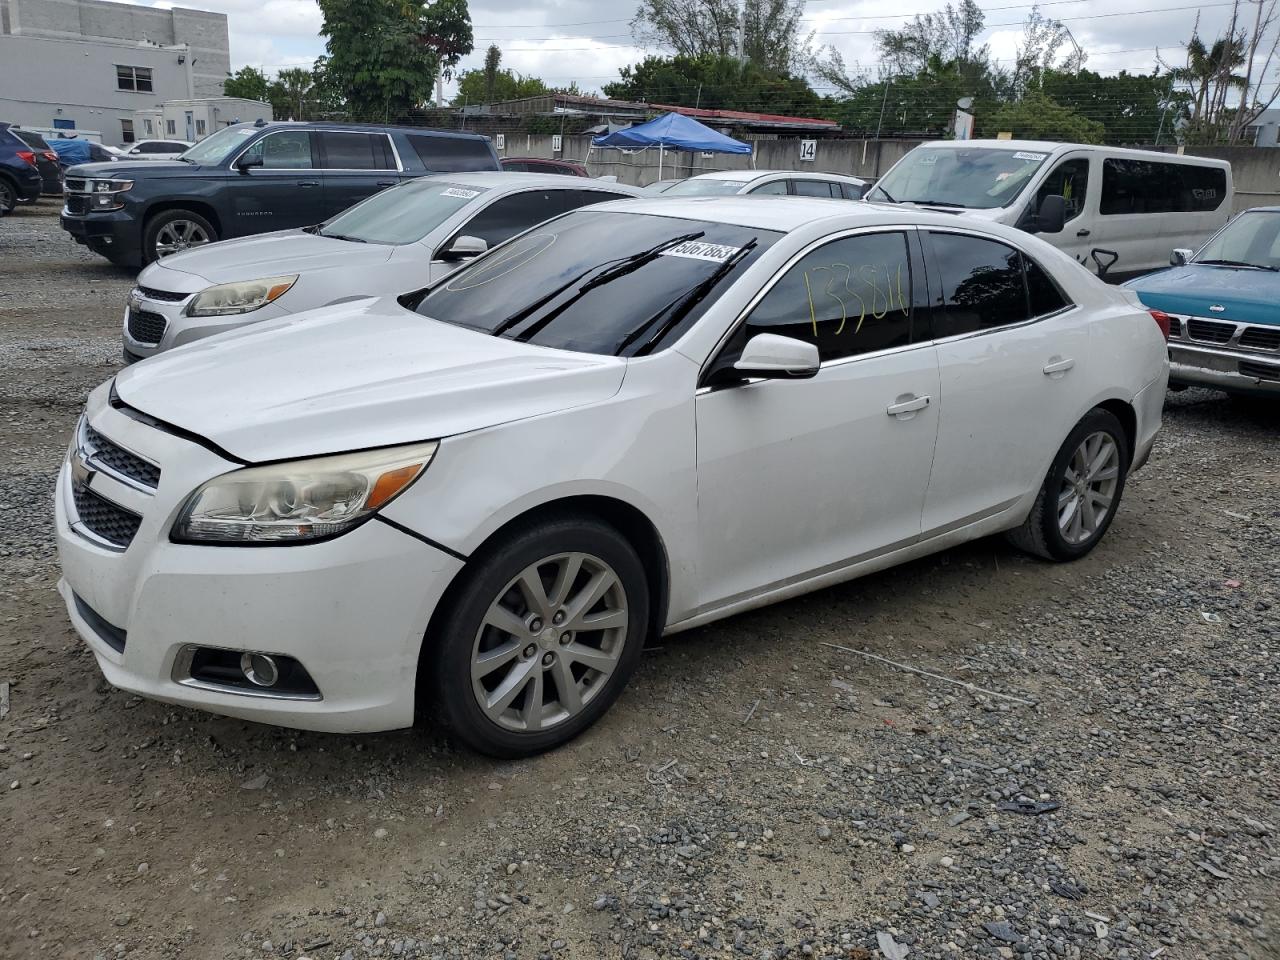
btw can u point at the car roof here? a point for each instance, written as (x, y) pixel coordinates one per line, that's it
(364, 128)
(785, 214)
(1050, 146)
(497, 179)
(746, 176)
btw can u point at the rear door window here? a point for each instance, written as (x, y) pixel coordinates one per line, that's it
(355, 151)
(452, 154)
(515, 213)
(982, 284)
(816, 188)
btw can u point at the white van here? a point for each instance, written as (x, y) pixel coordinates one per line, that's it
(1120, 211)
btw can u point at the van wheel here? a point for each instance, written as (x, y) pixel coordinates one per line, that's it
(174, 231)
(542, 638)
(1081, 492)
(8, 197)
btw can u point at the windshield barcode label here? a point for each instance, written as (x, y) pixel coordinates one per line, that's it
(1029, 156)
(696, 250)
(460, 193)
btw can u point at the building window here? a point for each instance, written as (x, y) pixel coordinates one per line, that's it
(137, 79)
(150, 129)
(172, 127)
(199, 128)
(126, 131)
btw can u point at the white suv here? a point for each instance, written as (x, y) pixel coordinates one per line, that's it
(634, 419)
(154, 149)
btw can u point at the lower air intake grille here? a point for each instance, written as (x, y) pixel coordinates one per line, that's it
(1263, 371)
(104, 519)
(145, 326)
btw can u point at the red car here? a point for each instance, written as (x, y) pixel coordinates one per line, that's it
(569, 168)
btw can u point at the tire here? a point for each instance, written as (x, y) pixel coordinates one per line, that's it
(8, 197)
(175, 230)
(1065, 522)
(531, 664)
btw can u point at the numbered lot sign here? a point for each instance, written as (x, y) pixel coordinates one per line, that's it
(809, 150)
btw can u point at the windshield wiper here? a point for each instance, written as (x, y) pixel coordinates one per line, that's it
(939, 203)
(679, 309)
(1239, 263)
(343, 236)
(633, 262)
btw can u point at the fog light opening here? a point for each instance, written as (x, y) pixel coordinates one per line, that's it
(259, 669)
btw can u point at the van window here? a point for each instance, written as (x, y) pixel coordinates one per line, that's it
(1143, 186)
(1070, 180)
(452, 154)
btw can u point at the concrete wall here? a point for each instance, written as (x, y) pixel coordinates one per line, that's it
(204, 32)
(1255, 171)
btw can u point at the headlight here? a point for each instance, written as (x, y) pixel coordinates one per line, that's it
(227, 299)
(105, 194)
(301, 500)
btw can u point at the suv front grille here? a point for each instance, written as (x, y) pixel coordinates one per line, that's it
(145, 326)
(76, 185)
(165, 296)
(1175, 327)
(1210, 331)
(1265, 338)
(118, 460)
(77, 203)
(104, 519)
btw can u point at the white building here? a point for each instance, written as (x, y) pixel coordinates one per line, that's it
(93, 64)
(197, 118)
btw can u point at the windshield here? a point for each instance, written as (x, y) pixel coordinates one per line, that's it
(1250, 239)
(703, 187)
(403, 214)
(599, 282)
(976, 177)
(217, 147)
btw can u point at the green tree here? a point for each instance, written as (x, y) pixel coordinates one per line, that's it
(492, 60)
(474, 86)
(290, 92)
(249, 83)
(1036, 117)
(716, 83)
(384, 55)
(1132, 108)
(765, 33)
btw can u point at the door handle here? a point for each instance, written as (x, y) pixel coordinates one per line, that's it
(308, 183)
(906, 406)
(1057, 367)
(1083, 233)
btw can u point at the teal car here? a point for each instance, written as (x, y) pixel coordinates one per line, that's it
(1223, 304)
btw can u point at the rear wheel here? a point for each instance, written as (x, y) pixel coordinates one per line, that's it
(174, 231)
(1081, 492)
(8, 197)
(542, 637)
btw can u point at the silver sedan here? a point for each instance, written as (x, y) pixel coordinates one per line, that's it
(401, 239)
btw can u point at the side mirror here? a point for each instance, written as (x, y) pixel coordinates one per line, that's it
(776, 357)
(1052, 215)
(464, 248)
(248, 162)
(1180, 256)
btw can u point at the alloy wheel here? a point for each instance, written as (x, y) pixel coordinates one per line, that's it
(549, 642)
(178, 235)
(1088, 490)
(7, 197)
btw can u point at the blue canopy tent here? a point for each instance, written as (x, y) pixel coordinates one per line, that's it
(673, 130)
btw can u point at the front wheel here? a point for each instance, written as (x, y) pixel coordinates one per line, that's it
(1081, 492)
(8, 197)
(174, 231)
(541, 639)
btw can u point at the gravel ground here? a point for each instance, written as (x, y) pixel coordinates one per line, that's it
(755, 793)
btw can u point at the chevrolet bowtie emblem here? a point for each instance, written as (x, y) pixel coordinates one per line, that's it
(81, 472)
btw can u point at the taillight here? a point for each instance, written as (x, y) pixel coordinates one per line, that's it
(1163, 320)
(27, 156)
(50, 155)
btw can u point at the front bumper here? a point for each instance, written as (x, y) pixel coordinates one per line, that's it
(352, 610)
(1231, 370)
(115, 235)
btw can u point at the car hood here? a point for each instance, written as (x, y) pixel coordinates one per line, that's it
(363, 374)
(1244, 294)
(282, 253)
(125, 169)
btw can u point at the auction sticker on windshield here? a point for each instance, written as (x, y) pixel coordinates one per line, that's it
(460, 193)
(696, 250)
(1029, 156)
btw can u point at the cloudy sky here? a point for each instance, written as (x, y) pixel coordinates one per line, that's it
(588, 40)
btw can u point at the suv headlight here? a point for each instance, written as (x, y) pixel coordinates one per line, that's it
(301, 500)
(105, 194)
(228, 299)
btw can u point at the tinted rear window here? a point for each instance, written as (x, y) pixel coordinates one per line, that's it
(452, 154)
(1143, 186)
(31, 139)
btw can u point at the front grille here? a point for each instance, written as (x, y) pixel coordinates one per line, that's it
(1210, 331)
(165, 296)
(145, 326)
(75, 185)
(112, 636)
(104, 519)
(1175, 327)
(117, 459)
(77, 203)
(1263, 371)
(1265, 338)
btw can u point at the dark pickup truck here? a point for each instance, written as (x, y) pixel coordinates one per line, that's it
(251, 178)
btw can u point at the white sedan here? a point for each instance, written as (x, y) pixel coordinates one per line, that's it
(398, 240)
(767, 183)
(633, 420)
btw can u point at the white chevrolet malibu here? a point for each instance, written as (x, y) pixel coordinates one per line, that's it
(634, 419)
